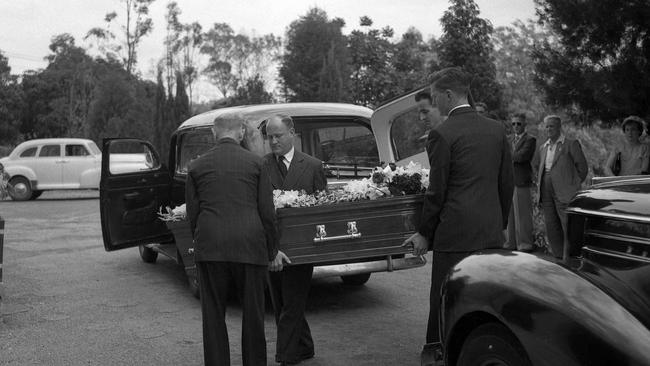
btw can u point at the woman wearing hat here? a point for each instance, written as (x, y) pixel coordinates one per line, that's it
(633, 156)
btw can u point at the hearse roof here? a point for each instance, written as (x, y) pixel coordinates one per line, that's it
(263, 111)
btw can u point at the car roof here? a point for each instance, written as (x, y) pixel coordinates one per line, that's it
(37, 142)
(263, 111)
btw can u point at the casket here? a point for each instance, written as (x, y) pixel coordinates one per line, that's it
(347, 231)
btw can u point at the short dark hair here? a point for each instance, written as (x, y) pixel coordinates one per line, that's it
(423, 94)
(521, 115)
(451, 78)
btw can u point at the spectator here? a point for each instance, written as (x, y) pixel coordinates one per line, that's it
(632, 157)
(481, 108)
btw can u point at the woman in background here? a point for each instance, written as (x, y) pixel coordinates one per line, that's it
(633, 156)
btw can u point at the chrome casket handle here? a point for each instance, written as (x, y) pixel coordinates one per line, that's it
(321, 234)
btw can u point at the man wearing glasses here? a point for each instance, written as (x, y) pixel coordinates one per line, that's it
(520, 220)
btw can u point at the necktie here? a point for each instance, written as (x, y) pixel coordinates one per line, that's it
(282, 166)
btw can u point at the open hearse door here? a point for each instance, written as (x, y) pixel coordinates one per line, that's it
(134, 185)
(400, 133)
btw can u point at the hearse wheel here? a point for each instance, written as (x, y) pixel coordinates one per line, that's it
(148, 255)
(492, 344)
(356, 279)
(21, 189)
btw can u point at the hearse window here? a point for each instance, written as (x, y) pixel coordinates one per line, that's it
(50, 150)
(76, 150)
(348, 150)
(408, 134)
(192, 145)
(28, 153)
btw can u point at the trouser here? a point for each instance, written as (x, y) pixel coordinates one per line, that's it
(442, 263)
(215, 279)
(555, 217)
(289, 291)
(520, 221)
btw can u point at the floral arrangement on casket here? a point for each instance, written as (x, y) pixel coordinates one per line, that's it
(382, 182)
(178, 213)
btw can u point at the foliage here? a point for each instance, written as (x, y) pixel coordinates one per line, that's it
(11, 100)
(513, 49)
(600, 63)
(236, 58)
(466, 43)
(137, 24)
(315, 60)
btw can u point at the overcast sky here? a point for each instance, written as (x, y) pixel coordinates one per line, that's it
(26, 26)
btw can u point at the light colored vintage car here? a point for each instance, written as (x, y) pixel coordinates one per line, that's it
(46, 164)
(63, 163)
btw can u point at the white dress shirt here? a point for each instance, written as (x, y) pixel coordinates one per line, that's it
(288, 157)
(551, 149)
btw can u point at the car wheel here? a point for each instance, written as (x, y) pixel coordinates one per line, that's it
(36, 194)
(492, 344)
(356, 280)
(148, 255)
(21, 189)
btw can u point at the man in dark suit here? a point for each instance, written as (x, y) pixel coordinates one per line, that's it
(561, 169)
(470, 189)
(290, 169)
(232, 217)
(520, 221)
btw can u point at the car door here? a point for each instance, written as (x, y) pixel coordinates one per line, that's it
(134, 186)
(48, 166)
(401, 136)
(78, 161)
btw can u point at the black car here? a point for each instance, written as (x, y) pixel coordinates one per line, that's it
(591, 308)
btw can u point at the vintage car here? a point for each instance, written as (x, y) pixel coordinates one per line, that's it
(356, 239)
(590, 308)
(47, 164)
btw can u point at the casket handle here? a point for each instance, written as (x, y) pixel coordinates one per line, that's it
(321, 233)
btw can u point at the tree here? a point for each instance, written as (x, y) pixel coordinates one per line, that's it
(236, 58)
(136, 25)
(309, 40)
(600, 63)
(412, 59)
(513, 51)
(371, 59)
(11, 104)
(466, 42)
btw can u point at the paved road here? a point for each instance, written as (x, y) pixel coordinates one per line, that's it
(68, 302)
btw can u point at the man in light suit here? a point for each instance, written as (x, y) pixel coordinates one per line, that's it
(520, 221)
(290, 169)
(561, 169)
(232, 218)
(470, 189)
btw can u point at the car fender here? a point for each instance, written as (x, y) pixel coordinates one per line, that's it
(20, 170)
(559, 317)
(90, 178)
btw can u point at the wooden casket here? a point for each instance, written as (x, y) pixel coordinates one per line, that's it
(349, 231)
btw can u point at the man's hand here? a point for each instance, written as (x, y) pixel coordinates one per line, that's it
(420, 244)
(278, 263)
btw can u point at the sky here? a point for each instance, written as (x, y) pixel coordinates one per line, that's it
(27, 26)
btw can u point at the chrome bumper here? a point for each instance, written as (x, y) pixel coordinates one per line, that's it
(387, 265)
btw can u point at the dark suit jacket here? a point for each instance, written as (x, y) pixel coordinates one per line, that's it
(230, 206)
(305, 172)
(568, 170)
(522, 155)
(470, 184)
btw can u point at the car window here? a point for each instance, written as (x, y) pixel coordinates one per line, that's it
(76, 150)
(192, 144)
(50, 150)
(28, 153)
(408, 134)
(131, 156)
(347, 149)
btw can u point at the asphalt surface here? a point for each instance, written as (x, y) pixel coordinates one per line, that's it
(69, 302)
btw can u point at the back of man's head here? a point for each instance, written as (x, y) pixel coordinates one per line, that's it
(451, 78)
(228, 125)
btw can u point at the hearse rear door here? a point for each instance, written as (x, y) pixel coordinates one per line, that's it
(134, 185)
(401, 135)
